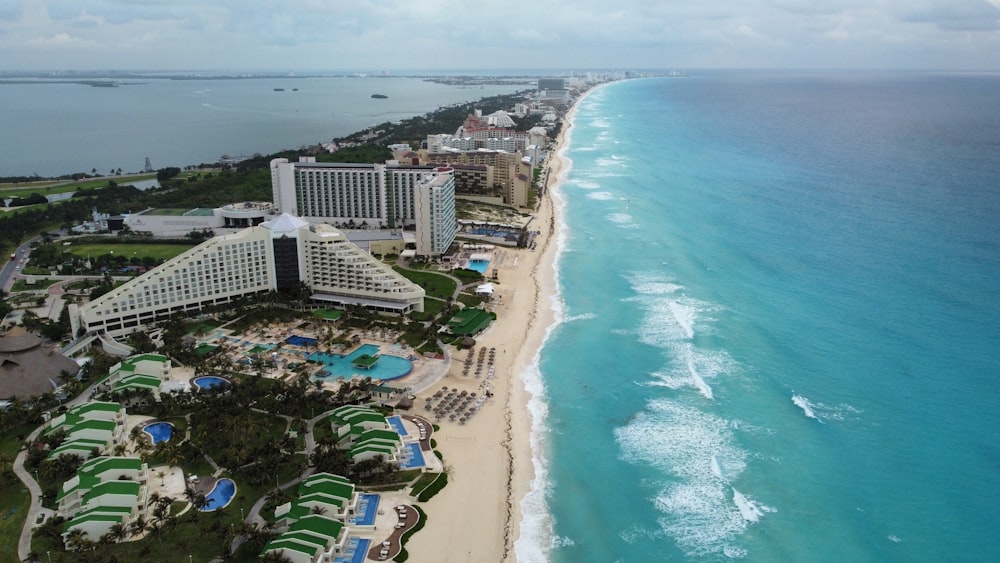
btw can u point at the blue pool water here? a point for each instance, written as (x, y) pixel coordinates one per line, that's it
(357, 550)
(415, 458)
(159, 431)
(220, 495)
(211, 381)
(478, 265)
(367, 509)
(297, 340)
(397, 425)
(387, 368)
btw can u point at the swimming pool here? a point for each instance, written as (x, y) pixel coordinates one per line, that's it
(367, 509)
(356, 551)
(387, 368)
(220, 496)
(159, 431)
(211, 382)
(478, 265)
(414, 457)
(397, 425)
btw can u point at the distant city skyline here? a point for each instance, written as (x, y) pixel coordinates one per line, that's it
(393, 36)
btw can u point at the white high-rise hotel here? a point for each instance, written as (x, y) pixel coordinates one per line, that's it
(385, 196)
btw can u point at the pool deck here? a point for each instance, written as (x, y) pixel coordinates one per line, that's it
(394, 543)
(424, 373)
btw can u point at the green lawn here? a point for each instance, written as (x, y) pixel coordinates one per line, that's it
(436, 285)
(431, 309)
(140, 250)
(20, 285)
(49, 188)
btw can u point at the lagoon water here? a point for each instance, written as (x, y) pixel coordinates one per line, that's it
(777, 335)
(54, 129)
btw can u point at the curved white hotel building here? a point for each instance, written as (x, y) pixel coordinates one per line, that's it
(275, 255)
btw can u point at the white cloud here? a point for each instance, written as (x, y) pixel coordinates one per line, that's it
(391, 34)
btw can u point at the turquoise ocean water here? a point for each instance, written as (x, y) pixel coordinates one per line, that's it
(778, 324)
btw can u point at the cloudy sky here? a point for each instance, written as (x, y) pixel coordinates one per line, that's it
(395, 35)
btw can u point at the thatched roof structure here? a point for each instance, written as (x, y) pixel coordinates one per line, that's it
(28, 367)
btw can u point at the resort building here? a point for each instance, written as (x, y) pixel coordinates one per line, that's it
(278, 255)
(435, 198)
(372, 196)
(179, 222)
(145, 371)
(105, 491)
(107, 504)
(503, 176)
(366, 434)
(314, 538)
(333, 495)
(88, 428)
(96, 471)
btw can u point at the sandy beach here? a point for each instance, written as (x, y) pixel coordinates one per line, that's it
(488, 459)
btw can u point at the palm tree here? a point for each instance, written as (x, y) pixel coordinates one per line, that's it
(138, 525)
(116, 533)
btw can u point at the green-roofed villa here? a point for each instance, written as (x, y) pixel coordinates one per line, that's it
(83, 448)
(89, 426)
(144, 371)
(98, 521)
(314, 538)
(353, 420)
(104, 505)
(95, 471)
(92, 410)
(333, 494)
(366, 434)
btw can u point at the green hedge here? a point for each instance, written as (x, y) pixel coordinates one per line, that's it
(434, 488)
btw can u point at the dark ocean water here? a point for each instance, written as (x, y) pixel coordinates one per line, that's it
(778, 337)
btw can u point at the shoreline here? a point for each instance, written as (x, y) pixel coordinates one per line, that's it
(490, 460)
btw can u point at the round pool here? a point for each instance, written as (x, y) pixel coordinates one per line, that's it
(220, 496)
(211, 382)
(159, 431)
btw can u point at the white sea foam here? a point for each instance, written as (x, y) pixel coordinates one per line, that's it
(697, 511)
(601, 122)
(537, 538)
(804, 404)
(716, 469)
(750, 511)
(621, 219)
(586, 184)
(684, 316)
(608, 162)
(894, 539)
(699, 383)
(580, 317)
(601, 196)
(562, 541)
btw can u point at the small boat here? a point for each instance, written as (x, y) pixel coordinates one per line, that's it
(279, 89)
(379, 96)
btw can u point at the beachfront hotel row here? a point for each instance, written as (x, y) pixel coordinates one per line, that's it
(280, 254)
